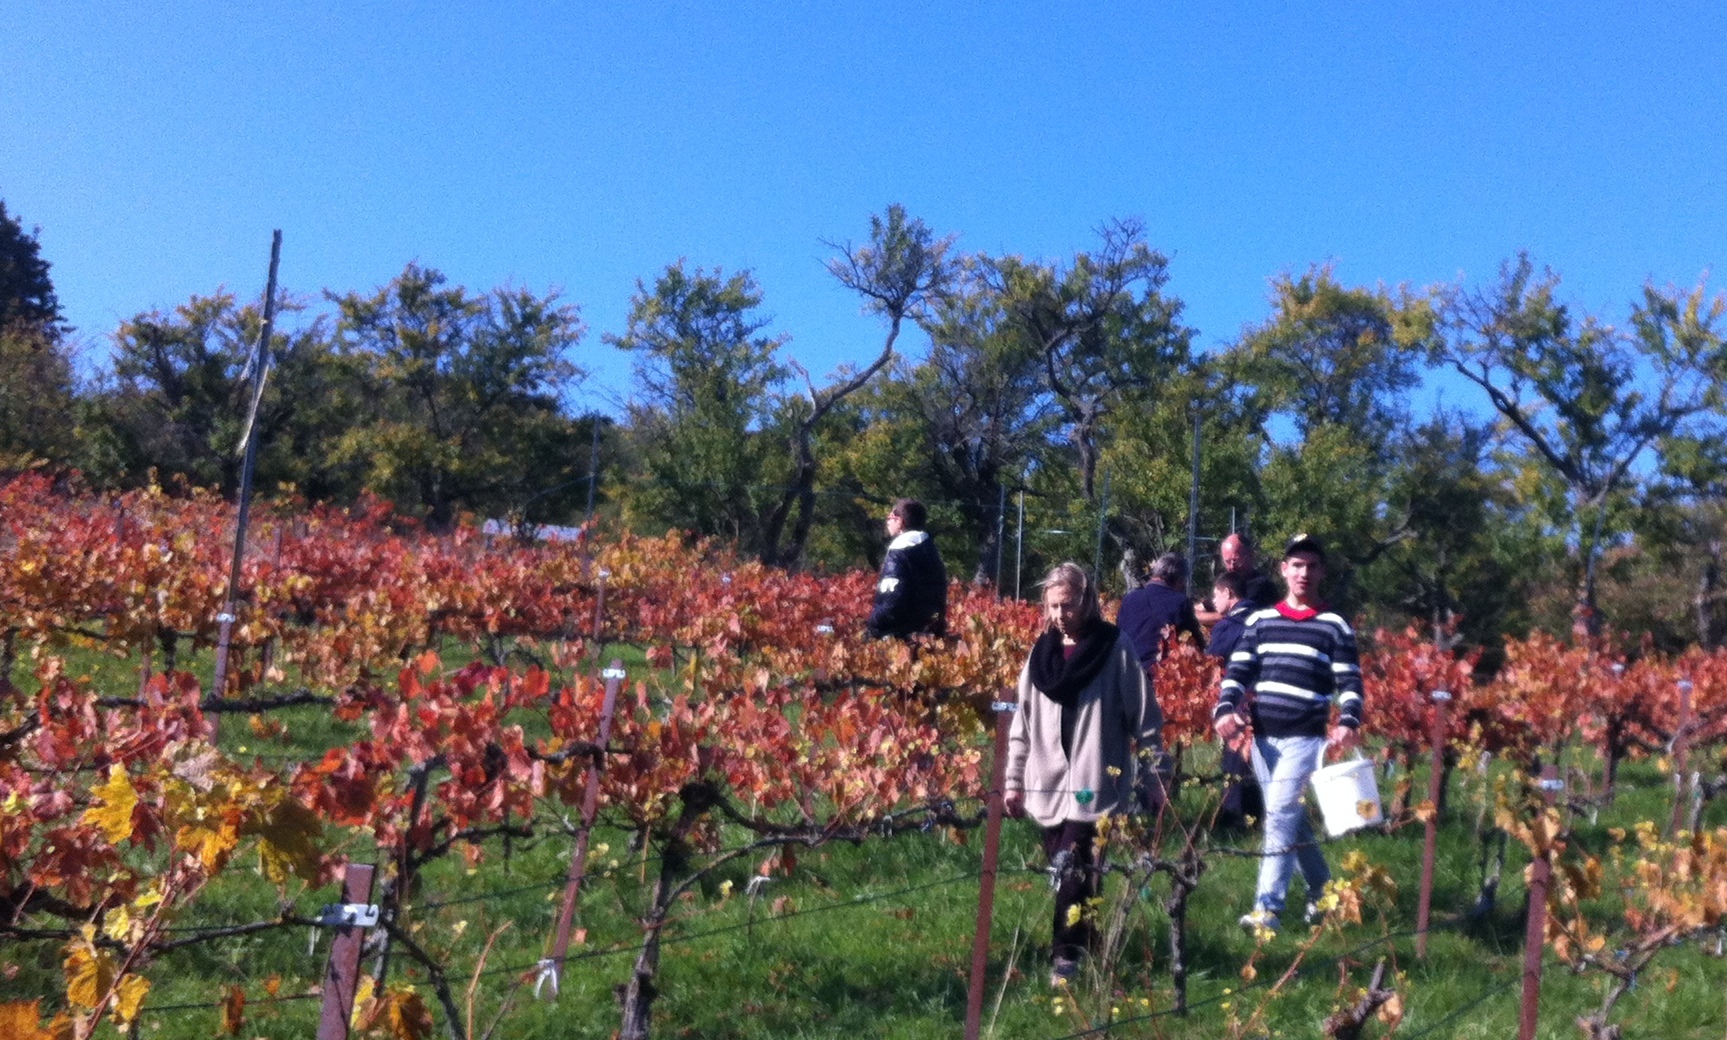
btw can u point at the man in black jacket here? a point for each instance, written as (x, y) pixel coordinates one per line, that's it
(911, 595)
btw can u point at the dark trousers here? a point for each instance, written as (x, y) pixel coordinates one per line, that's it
(1075, 846)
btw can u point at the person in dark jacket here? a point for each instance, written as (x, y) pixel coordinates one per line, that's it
(1228, 594)
(1243, 803)
(1158, 605)
(911, 594)
(1236, 551)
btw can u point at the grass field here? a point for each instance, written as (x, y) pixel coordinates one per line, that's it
(874, 940)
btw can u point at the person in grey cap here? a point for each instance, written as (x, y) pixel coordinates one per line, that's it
(1292, 662)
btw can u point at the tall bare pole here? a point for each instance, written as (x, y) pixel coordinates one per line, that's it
(1193, 501)
(1019, 545)
(593, 471)
(1000, 533)
(260, 365)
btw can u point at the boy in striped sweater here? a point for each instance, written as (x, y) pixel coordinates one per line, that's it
(1292, 662)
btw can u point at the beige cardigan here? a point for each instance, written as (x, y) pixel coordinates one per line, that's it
(1116, 710)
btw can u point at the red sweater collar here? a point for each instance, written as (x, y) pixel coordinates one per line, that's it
(1297, 614)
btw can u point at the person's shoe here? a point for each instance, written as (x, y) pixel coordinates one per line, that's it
(1261, 924)
(1063, 971)
(1313, 914)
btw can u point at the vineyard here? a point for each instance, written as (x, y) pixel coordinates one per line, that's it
(639, 786)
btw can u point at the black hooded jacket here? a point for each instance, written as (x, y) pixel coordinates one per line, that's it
(911, 595)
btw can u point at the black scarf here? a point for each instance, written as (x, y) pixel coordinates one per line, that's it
(1061, 678)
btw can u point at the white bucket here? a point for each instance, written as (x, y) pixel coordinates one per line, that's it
(1348, 795)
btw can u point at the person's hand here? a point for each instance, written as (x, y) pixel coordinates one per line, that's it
(1013, 803)
(1229, 726)
(1344, 738)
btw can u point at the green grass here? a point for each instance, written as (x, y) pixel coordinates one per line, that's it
(874, 940)
(896, 966)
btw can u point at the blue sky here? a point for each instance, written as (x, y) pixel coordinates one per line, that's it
(585, 146)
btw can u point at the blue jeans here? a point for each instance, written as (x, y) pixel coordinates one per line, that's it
(1283, 765)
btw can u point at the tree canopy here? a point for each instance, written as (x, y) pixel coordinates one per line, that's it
(1042, 408)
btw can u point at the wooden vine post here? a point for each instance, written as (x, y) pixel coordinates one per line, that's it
(1535, 934)
(1424, 912)
(342, 974)
(551, 967)
(1004, 710)
(1680, 747)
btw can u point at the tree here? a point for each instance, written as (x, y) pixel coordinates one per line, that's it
(1465, 566)
(1336, 356)
(37, 398)
(707, 378)
(1102, 326)
(1333, 363)
(26, 292)
(466, 394)
(1150, 462)
(1587, 399)
(181, 388)
(902, 268)
(36, 384)
(975, 412)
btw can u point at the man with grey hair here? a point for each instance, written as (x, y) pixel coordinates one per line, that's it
(1162, 604)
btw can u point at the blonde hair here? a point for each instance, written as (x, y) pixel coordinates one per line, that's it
(1072, 577)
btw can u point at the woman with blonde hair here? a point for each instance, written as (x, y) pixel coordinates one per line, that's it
(1084, 709)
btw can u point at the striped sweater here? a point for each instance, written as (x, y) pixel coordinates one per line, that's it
(1294, 662)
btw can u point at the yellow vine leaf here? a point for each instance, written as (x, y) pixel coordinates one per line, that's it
(129, 998)
(364, 1005)
(118, 798)
(89, 973)
(117, 923)
(210, 845)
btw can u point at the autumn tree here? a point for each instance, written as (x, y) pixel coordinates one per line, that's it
(464, 394)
